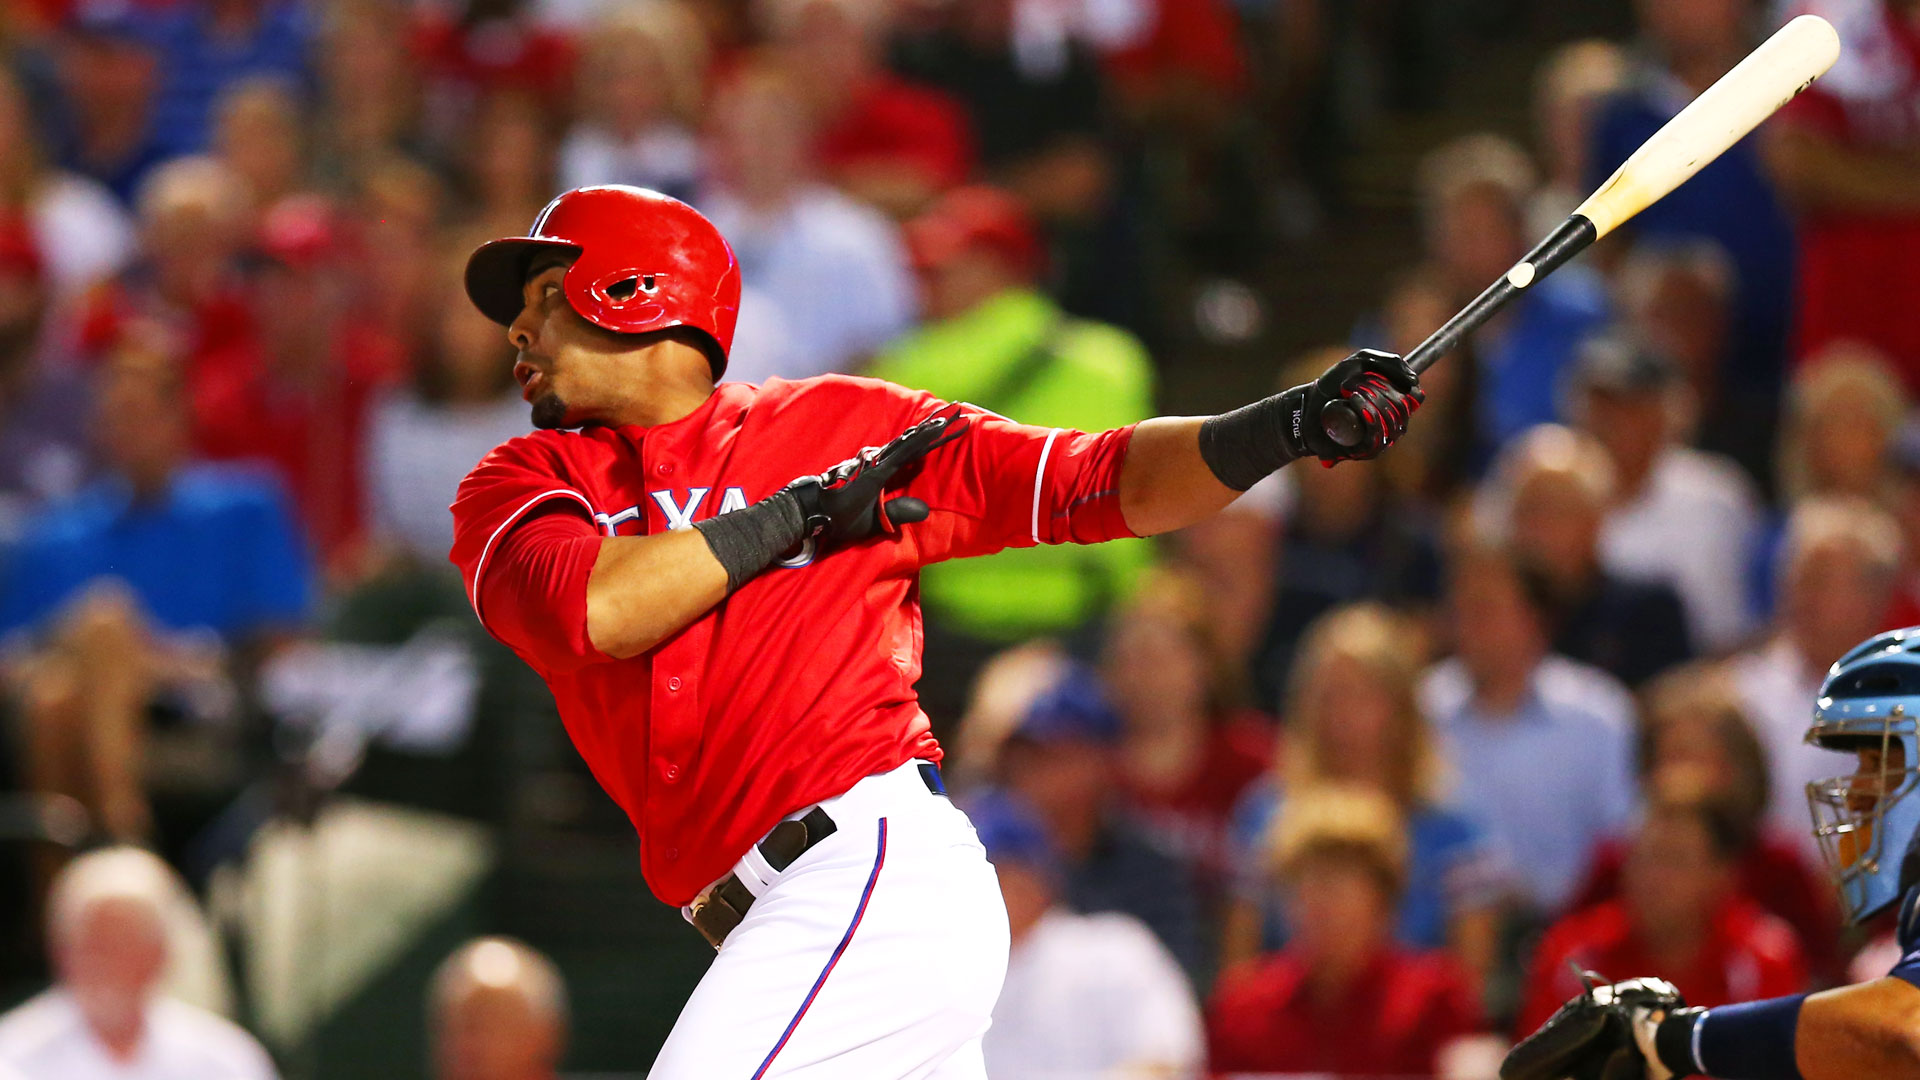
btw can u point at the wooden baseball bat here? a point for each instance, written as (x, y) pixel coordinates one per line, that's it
(1768, 78)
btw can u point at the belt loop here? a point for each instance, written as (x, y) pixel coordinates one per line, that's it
(930, 776)
(755, 872)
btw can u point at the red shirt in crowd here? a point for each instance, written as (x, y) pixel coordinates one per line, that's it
(1748, 954)
(311, 432)
(1191, 814)
(890, 121)
(800, 683)
(1772, 874)
(1393, 1019)
(1860, 270)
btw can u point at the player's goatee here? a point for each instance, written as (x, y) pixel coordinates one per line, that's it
(549, 412)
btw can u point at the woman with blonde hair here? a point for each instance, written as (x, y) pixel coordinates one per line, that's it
(1351, 717)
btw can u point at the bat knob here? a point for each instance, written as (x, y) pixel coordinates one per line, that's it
(1342, 424)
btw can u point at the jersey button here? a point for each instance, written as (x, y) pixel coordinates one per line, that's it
(673, 684)
(665, 468)
(673, 854)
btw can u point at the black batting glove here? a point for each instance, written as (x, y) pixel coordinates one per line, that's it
(1379, 386)
(843, 504)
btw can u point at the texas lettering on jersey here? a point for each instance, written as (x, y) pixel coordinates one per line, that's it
(801, 682)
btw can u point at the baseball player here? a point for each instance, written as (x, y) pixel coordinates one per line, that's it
(1868, 825)
(717, 582)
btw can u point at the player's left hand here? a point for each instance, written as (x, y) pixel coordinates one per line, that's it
(1604, 1034)
(843, 504)
(1379, 386)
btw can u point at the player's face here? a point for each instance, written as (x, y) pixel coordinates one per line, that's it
(567, 368)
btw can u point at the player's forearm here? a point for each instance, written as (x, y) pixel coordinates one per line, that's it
(1165, 483)
(1872, 1029)
(644, 589)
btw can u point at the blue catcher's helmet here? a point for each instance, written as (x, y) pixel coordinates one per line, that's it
(1868, 823)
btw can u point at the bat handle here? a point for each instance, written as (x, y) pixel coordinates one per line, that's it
(1341, 421)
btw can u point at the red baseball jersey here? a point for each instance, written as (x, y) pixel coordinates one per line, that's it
(801, 682)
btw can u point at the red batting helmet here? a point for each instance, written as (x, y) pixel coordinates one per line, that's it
(645, 262)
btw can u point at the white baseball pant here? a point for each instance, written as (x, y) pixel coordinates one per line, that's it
(877, 954)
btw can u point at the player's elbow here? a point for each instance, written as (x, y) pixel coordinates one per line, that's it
(617, 631)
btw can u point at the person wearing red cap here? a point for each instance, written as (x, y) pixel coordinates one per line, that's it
(719, 585)
(995, 339)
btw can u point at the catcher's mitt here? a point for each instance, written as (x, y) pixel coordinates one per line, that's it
(1592, 1036)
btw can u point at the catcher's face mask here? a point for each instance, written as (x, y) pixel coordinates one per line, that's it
(1867, 821)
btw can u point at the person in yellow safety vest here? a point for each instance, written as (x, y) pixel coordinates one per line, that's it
(992, 338)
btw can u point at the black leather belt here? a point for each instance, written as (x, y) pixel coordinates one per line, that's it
(718, 910)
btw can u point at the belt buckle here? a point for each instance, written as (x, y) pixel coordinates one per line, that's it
(712, 915)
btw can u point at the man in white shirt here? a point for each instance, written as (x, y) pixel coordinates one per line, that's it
(103, 1020)
(1087, 997)
(834, 269)
(1679, 515)
(1837, 571)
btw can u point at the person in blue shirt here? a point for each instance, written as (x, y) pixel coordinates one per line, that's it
(1868, 826)
(142, 587)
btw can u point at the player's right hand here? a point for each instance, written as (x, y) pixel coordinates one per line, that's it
(1604, 1034)
(1383, 392)
(843, 505)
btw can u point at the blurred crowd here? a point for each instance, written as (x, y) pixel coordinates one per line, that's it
(1347, 780)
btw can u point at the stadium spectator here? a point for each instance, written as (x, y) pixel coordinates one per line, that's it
(1085, 995)
(1680, 516)
(42, 456)
(1904, 502)
(1549, 497)
(1037, 111)
(497, 1010)
(1843, 154)
(996, 340)
(793, 233)
(1061, 761)
(1837, 570)
(1342, 998)
(884, 140)
(1677, 297)
(83, 233)
(1542, 744)
(1352, 720)
(1681, 915)
(205, 48)
(1347, 537)
(424, 436)
(1684, 46)
(1187, 752)
(468, 51)
(506, 162)
(638, 96)
(259, 133)
(109, 76)
(1844, 411)
(187, 282)
(297, 397)
(396, 210)
(107, 1017)
(1696, 744)
(1568, 88)
(1473, 194)
(110, 621)
(370, 102)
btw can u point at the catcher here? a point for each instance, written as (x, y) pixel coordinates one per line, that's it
(1868, 826)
